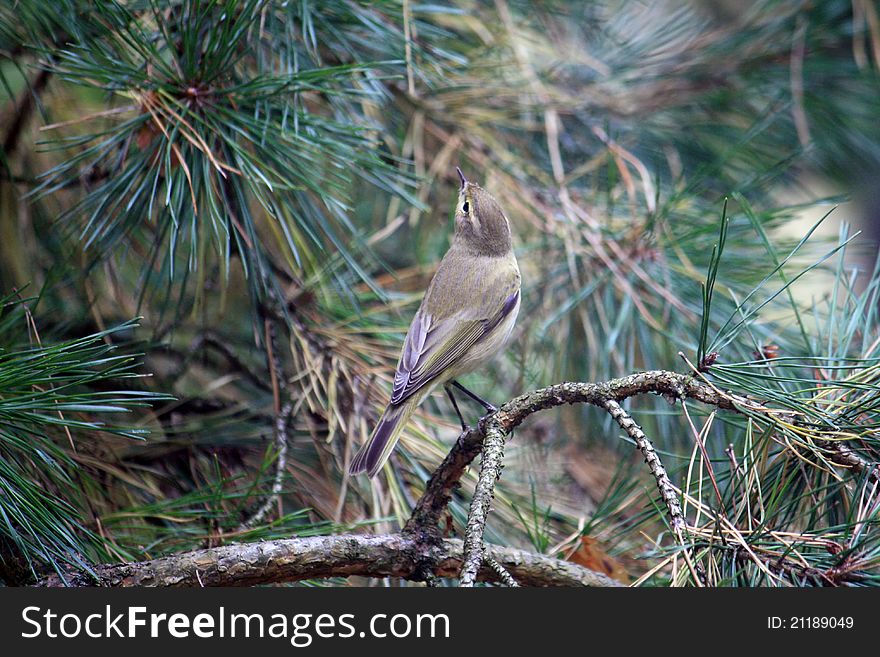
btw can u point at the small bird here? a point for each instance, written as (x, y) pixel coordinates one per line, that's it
(465, 319)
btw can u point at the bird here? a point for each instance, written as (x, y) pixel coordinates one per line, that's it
(465, 319)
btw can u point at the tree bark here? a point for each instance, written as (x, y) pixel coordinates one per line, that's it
(344, 555)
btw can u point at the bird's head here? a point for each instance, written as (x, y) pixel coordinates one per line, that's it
(480, 223)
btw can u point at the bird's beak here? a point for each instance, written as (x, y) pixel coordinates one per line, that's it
(461, 177)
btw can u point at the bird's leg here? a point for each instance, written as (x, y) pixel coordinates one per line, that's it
(491, 408)
(455, 406)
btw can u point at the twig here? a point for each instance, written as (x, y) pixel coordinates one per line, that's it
(282, 422)
(505, 577)
(445, 479)
(444, 482)
(273, 362)
(282, 410)
(23, 112)
(490, 471)
(843, 455)
(664, 484)
(345, 555)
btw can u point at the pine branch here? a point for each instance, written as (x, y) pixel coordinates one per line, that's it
(346, 555)
(667, 490)
(444, 482)
(494, 427)
(490, 471)
(417, 552)
(282, 422)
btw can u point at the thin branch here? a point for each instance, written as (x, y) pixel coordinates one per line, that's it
(296, 559)
(505, 577)
(23, 112)
(444, 482)
(664, 484)
(282, 421)
(673, 385)
(282, 411)
(845, 456)
(490, 471)
(495, 426)
(445, 479)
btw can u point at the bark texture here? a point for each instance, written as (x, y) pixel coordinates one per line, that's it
(294, 559)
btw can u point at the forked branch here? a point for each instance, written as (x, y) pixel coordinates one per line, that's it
(418, 552)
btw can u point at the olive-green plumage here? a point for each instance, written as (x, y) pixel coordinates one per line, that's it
(465, 318)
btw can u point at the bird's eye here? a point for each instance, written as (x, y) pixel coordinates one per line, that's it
(466, 207)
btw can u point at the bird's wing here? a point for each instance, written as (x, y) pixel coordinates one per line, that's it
(431, 347)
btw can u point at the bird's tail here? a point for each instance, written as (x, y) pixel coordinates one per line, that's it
(375, 452)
